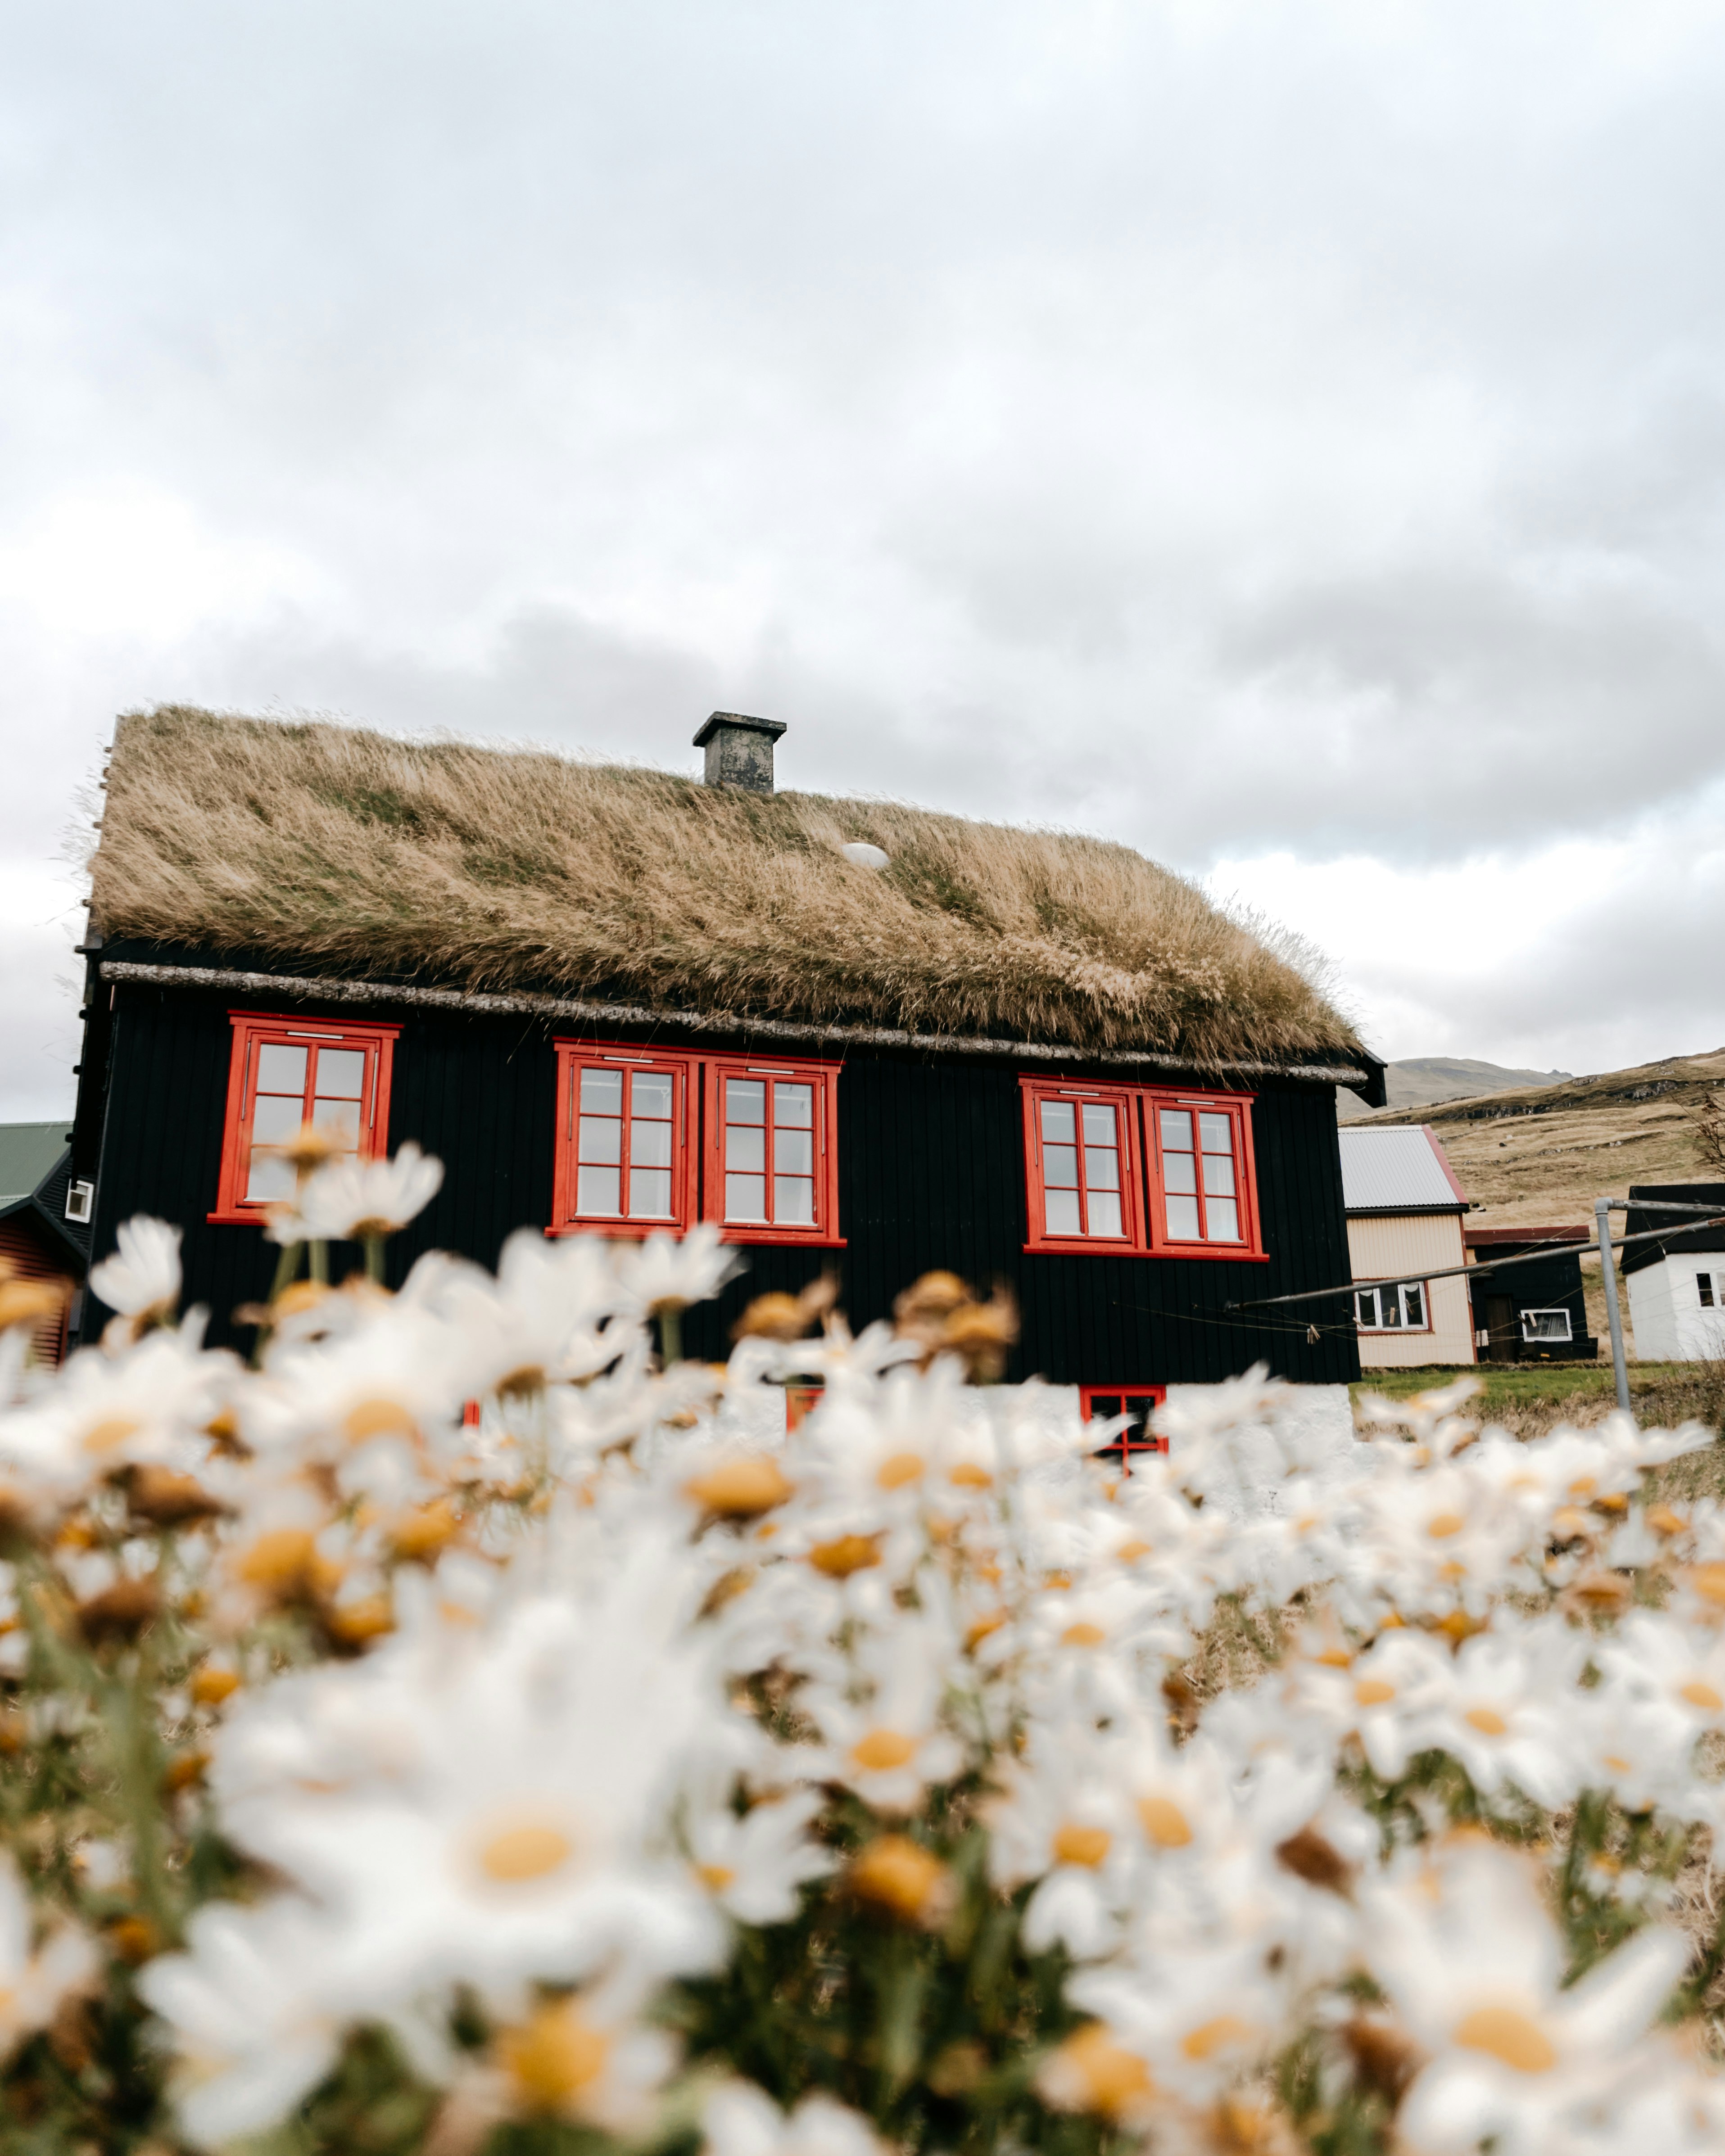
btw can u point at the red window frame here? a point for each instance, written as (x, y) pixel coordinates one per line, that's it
(824, 1077)
(255, 1029)
(1237, 1108)
(628, 1059)
(1124, 1102)
(1093, 1405)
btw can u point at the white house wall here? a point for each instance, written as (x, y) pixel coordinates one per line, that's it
(1665, 1311)
(1412, 1247)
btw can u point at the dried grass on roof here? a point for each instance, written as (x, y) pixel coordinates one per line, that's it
(362, 854)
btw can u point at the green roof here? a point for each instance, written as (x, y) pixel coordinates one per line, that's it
(27, 1152)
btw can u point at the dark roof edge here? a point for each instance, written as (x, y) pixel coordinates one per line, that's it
(1399, 1212)
(239, 982)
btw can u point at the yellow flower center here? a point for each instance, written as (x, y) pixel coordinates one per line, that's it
(899, 1876)
(1699, 1694)
(1209, 2037)
(740, 1489)
(1164, 1821)
(1372, 1691)
(967, 1476)
(1443, 1524)
(277, 1559)
(1081, 1844)
(1709, 1581)
(715, 1877)
(881, 1750)
(899, 1468)
(524, 1853)
(1091, 2072)
(1083, 1633)
(1487, 1720)
(848, 1554)
(554, 2056)
(377, 1418)
(1130, 1552)
(113, 1432)
(1506, 2033)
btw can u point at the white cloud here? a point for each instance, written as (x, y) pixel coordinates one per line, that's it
(1250, 432)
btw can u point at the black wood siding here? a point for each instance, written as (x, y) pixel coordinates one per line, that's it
(931, 1173)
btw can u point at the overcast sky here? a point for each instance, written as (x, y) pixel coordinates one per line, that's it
(1289, 438)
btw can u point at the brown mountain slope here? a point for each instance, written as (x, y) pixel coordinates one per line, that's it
(1540, 1156)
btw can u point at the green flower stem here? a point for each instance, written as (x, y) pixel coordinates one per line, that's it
(318, 1252)
(374, 1258)
(670, 1334)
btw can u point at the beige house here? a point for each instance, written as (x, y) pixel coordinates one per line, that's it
(1404, 1214)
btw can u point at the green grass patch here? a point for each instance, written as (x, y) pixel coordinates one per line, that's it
(1509, 1384)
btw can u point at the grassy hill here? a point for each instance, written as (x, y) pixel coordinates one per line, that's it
(1420, 1078)
(1540, 1155)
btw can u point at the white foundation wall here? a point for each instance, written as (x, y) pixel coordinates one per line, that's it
(1410, 1246)
(1665, 1311)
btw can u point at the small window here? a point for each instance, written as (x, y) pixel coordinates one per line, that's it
(1081, 1144)
(1397, 1309)
(1103, 1402)
(1546, 1325)
(624, 1163)
(80, 1197)
(1704, 1286)
(772, 1157)
(284, 1074)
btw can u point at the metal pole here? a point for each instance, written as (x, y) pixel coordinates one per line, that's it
(1614, 1313)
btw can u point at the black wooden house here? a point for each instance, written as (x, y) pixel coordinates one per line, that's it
(858, 1036)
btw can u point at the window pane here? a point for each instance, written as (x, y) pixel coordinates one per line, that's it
(1223, 1216)
(1058, 1127)
(1365, 1307)
(601, 1092)
(745, 1198)
(1101, 1168)
(276, 1117)
(1704, 1288)
(1183, 1219)
(1179, 1172)
(1098, 1125)
(745, 1100)
(338, 1120)
(651, 1095)
(1102, 1405)
(1060, 1167)
(1217, 1133)
(794, 1105)
(744, 1150)
(601, 1138)
(1414, 1306)
(340, 1073)
(649, 1194)
(793, 1153)
(793, 1201)
(270, 1179)
(1104, 1212)
(1390, 1307)
(1176, 1130)
(1061, 1209)
(281, 1070)
(650, 1144)
(1218, 1175)
(600, 1190)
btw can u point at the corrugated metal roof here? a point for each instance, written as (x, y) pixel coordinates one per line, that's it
(1398, 1170)
(27, 1152)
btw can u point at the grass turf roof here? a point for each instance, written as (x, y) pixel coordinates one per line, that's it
(356, 853)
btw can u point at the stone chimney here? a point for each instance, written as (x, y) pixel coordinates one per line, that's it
(739, 751)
